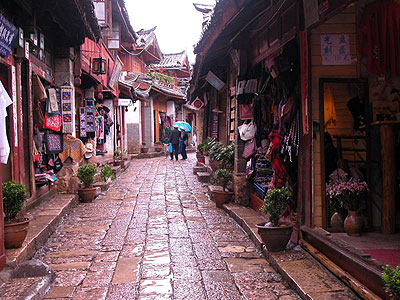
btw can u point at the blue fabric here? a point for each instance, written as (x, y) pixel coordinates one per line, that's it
(171, 149)
(180, 147)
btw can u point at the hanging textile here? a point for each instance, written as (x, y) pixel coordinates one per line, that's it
(39, 92)
(329, 107)
(68, 109)
(379, 37)
(82, 122)
(276, 160)
(54, 143)
(72, 147)
(246, 112)
(5, 101)
(90, 114)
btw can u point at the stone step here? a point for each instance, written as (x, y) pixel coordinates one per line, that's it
(45, 219)
(198, 169)
(303, 273)
(203, 177)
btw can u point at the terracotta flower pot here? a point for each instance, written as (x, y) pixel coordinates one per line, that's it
(353, 224)
(87, 194)
(200, 157)
(15, 234)
(337, 222)
(221, 197)
(275, 238)
(144, 149)
(157, 149)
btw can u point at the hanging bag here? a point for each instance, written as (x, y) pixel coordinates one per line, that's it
(249, 148)
(247, 131)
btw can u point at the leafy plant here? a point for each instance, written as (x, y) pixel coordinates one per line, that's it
(224, 177)
(86, 175)
(158, 143)
(214, 150)
(275, 203)
(117, 153)
(226, 154)
(201, 147)
(161, 77)
(143, 143)
(106, 172)
(391, 278)
(209, 142)
(14, 195)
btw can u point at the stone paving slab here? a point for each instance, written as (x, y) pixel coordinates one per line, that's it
(155, 234)
(47, 217)
(304, 274)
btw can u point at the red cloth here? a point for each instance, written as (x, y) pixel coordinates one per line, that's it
(379, 37)
(276, 160)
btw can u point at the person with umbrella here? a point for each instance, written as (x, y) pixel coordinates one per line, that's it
(183, 142)
(174, 137)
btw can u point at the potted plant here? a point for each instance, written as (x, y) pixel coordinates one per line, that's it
(222, 196)
(227, 156)
(209, 142)
(199, 153)
(214, 152)
(158, 146)
(391, 279)
(348, 192)
(86, 175)
(106, 173)
(15, 226)
(275, 235)
(144, 149)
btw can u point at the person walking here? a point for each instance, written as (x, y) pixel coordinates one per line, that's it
(183, 141)
(174, 138)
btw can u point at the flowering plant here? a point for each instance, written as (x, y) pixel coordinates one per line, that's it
(345, 192)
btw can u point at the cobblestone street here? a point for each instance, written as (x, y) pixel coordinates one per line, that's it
(156, 235)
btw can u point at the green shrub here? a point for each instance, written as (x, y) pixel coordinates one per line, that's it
(275, 203)
(214, 150)
(106, 172)
(226, 154)
(86, 174)
(391, 278)
(14, 195)
(224, 177)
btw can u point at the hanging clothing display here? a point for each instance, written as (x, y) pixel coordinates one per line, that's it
(5, 101)
(68, 109)
(379, 37)
(72, 147)
(90, 114)
(329, 107)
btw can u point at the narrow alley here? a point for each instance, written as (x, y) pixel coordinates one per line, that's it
(156, 235)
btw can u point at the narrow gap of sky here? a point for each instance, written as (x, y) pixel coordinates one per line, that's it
(178, 22)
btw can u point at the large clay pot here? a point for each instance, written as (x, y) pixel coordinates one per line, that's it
(275, 238)
(352, 224)
(15, 234)
(337, 222)
(200, 157)
(87, 194)
(216, 165)
(221, 197)
(157, 149)
(144, 149)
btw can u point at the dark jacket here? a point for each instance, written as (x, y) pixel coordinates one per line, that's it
(174, 137)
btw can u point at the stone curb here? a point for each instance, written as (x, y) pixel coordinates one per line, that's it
(37, 239)
(334, 287)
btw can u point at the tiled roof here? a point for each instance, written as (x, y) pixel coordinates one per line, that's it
(145, 37)
(173, 60)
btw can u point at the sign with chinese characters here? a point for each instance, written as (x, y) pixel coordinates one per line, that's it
(335, 49)
(8, 33)
(116, 72)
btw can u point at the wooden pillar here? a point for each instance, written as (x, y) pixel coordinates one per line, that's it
(2, 250)
(388, 179)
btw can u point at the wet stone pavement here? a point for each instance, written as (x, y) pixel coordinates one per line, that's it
(156, 235)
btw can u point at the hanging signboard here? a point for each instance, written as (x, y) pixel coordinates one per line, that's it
(116, 72)
(311, 12)
(335, 49)
(124, 102)
(215, 81)
(8, 34)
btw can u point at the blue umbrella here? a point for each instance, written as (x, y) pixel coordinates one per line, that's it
(187, 126)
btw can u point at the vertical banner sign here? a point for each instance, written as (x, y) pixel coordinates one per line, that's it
(116, 72)
(8, 34)
(311, 12)
(335, 49)
(214, 133)
(15, 104)
(68, 109)
(304, 80)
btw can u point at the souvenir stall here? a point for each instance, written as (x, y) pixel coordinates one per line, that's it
(268, 106)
